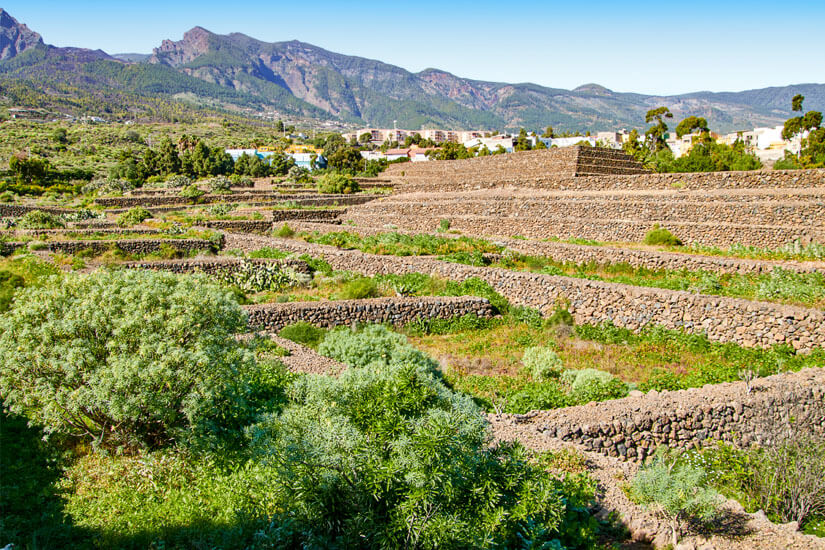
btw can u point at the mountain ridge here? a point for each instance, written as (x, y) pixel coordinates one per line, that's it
(237, 71)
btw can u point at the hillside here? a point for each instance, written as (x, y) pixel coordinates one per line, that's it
(240, 74)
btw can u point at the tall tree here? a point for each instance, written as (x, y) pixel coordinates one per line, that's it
(655, 135)
(691, 124)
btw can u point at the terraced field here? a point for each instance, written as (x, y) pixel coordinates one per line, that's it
(524, 283)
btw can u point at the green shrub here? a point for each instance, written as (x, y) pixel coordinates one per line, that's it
(357, 289)
(542, 363)
(299, 174)
(192, 192)
(9, 283)
(337, 184)
(527, 315)
(537, 396)
(317, 264)
(676, 492)
(133, 216)
(284, 232)
(593, 385)
(784, 478)
(474, 286)
(257, 277)
(374, 345)
(661, 236)
(388, 456)
(238, 180)
(303, 333)
(176, 182)
(108, 186)
(134, 357)
(219, 184)
(38, 219)
(443, 226)
(83, 214)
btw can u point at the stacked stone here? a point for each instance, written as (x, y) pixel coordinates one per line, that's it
(632, 428)
(396, 311)
(744, 322)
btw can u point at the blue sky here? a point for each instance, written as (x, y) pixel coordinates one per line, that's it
(646, 47)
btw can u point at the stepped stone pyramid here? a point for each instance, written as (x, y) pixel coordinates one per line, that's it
(521, 168)
(598, 161)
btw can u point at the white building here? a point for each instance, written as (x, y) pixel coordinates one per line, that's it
(491, 143)
(568, 141)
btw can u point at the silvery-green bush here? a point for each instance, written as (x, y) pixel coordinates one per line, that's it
(374, 345)
(219, 184)
(132, 358)
(178, 181)
(542, 363)
(593, 385)
(108, 185)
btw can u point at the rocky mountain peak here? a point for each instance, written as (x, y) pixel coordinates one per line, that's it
(195, 42)
(15, 38)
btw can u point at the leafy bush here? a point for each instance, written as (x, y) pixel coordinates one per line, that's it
(82, 214)
(220, 209)
(134, 357)
(303, 333)
(537, 397)
(784, 478)
(38, 219)
(593, 385)
(9, 283)
(284, 232)
(357, 289)
(474, 286)
(192, 192)
(783, 284)
(388, 456)
(238, 180)
(676, 492)
(176, 182)
(542, 363)
(527, 315)
(133, 216)
(299, 174)
(374, 345)
(108, 185)
(661, 236)
(443, 226)
(219, 184)
(337, 184)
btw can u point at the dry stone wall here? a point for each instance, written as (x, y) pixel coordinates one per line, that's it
(767, 218)
(747, 323)
(216, 265)
(142, 246)
(579, 169)
(397, 311)
(270, 198)
(632, 428)
(579, 254)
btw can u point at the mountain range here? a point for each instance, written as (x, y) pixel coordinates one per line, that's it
(240, 74)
